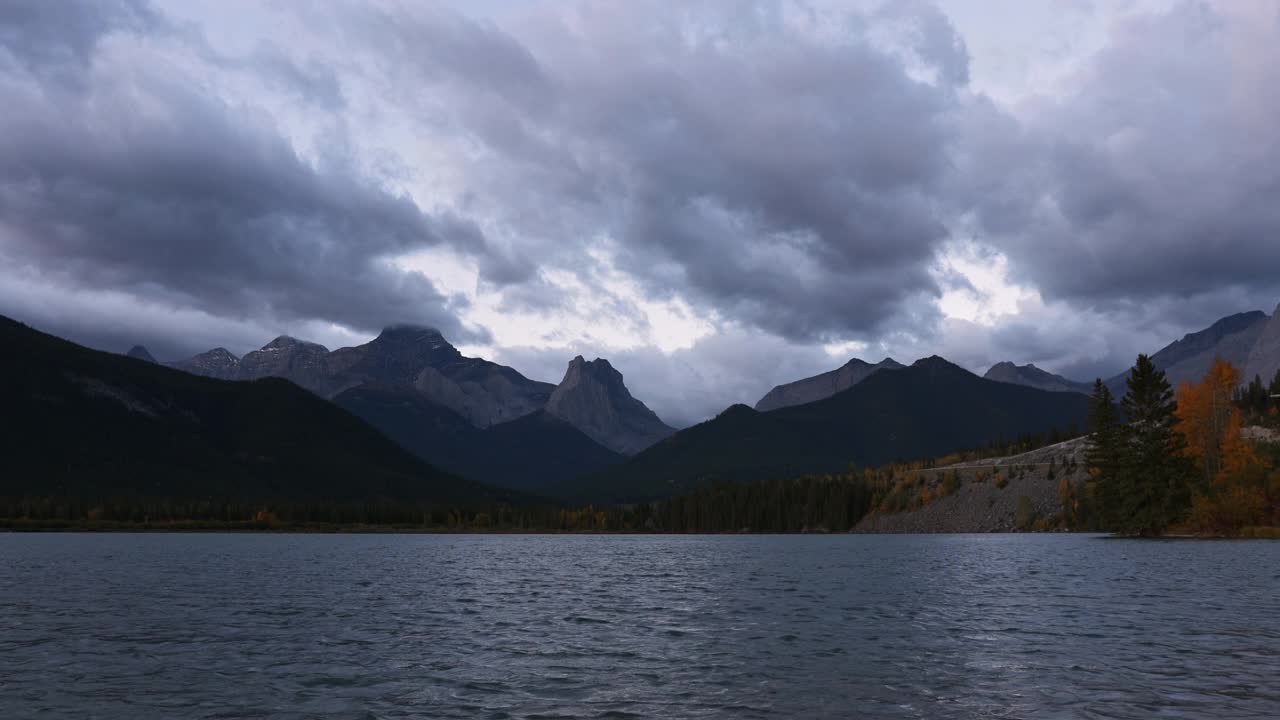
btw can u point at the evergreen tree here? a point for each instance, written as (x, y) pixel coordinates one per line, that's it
(1107, 437)
(1155, 468)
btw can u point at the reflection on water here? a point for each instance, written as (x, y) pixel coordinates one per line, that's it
(1019, 626)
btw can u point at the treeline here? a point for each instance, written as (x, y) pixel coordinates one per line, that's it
(63, 512)
(1181, 462)
(1260, 403)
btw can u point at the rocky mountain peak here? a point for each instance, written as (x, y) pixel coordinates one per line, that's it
(598, 370)
(216, 363)
(1032, 376)
(593, 398)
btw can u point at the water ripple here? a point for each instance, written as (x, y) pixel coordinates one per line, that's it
(235, 626)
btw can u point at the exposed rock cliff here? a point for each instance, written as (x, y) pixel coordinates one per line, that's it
(593, 398)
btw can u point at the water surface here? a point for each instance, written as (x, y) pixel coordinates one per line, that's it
(498, 626)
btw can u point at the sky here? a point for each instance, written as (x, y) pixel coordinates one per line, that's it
(716, 196)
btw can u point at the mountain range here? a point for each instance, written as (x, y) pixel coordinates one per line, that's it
(925, 410)
(467, 415)
(349, 415)
(80, 423)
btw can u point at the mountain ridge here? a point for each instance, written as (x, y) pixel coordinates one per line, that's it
(926, 410)
(823, 385)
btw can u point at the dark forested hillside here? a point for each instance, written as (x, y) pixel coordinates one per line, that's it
(81, 423)
(530, 453)
(926, 410)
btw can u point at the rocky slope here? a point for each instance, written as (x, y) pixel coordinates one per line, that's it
(1032, 376)
(403, 356)
(593, 398)
(979, 504)
(408, 356)
(216, 363)
(822, 386)
(1264, 357)
(1232, 338)
(302, 362)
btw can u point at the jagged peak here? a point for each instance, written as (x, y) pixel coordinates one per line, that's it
(599, 367)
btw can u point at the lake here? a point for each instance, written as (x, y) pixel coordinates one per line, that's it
(504, 626)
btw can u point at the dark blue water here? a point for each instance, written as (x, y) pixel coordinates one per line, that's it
(299, 626)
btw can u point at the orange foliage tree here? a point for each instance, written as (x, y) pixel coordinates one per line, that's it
(1235, 492)
(1206, 414)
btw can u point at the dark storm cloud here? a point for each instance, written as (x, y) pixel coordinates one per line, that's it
(788, 169)
(142, 183)
(777, 169)
(1156, 175)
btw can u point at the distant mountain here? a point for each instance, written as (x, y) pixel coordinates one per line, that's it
(91, 425)
(305, 363)
(404, 356)
(925, 410)
(1032, 376)
(1232, 338)
(593, 398)
(530, 453)
(822, 386)
(1264, 357)
(217, 363)
(484, 392)
(138, 352)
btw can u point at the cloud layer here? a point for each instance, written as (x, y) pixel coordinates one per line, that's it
(720, 197)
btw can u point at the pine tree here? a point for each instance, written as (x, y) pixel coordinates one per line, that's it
(1104, 459)
(1155, 467)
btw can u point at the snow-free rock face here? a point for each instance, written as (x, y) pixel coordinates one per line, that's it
(1264, 358)
(410, 358)
(593, 398)
(1232, 338)
(419, 358)
(217, 363)
(138, 352)
(1032, 376)
(822, 386)
(305, 363)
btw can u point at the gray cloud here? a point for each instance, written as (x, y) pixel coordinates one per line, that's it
(1155, 177)
(57, 39)
(779, 173)
(142, 183)
(789, 168)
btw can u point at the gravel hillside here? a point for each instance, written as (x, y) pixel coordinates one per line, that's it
(979, 504)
